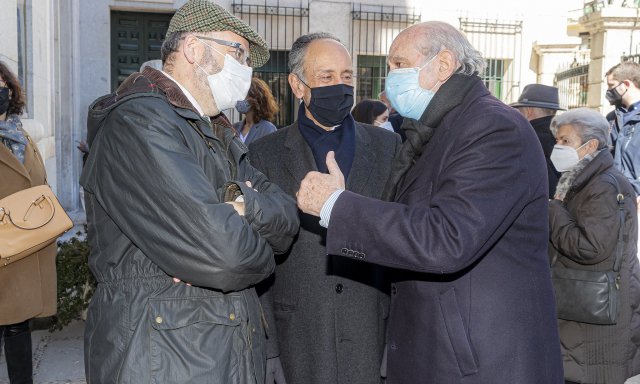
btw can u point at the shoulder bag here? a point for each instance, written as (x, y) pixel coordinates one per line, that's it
(30, 220)
(590, 296)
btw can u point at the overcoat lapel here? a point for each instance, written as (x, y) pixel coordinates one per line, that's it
(298, 157)
(362, 161)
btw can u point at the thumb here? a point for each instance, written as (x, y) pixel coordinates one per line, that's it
(332, 165)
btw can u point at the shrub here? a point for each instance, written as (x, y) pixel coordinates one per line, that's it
(75, 281)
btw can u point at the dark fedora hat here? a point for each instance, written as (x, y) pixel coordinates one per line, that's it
(539, 96)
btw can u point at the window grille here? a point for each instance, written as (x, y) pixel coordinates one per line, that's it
(280, 26)
(373, 30)
(500, 43)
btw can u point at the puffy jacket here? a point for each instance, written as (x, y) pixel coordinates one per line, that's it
(584, 233)
(155, 184)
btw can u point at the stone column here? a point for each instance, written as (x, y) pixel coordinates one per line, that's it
(614, 31)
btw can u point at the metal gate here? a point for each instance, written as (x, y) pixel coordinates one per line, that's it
(372, 30)
(135, 38)
(572, 81)
(500, 43)
(280, 26)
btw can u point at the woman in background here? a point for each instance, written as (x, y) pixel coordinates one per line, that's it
(584, 222)
(259, 108)
(373, 112)
(27, 286)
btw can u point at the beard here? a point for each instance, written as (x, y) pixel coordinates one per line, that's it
(209, 67)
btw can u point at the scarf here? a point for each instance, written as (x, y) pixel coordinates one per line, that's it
(569, 177)
(419, 132)
(12, 136)
(341, 140)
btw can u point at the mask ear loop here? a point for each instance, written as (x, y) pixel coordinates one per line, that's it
(220, 53)
(305, 84)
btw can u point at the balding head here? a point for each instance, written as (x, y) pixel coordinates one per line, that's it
(431, 37)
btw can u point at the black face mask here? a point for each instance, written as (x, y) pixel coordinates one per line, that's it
(330, 105)
(4, 100)
(614, 97)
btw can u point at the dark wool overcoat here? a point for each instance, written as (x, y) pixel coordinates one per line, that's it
(329, 312)
(473, 301)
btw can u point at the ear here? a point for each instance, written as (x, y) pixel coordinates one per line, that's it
(629, 84)
(447, 64)
(296, 86)
(192, 49)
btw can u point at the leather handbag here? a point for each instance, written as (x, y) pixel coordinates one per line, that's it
(30, 220)
(590, 296)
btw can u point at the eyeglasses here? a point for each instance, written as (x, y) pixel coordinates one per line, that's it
(239, 54)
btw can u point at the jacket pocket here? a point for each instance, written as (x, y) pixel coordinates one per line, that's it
(197, 340)
(458, 335)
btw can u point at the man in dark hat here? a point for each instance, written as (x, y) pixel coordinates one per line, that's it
(181, 227)
(539, 104)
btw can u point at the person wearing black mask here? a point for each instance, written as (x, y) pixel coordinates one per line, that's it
(539, 104)
(329, 314)
(623, 92)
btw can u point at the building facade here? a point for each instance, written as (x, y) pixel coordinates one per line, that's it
(67, 53)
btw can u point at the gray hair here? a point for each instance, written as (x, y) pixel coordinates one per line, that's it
(169, 46)
(437, 35)
(589, 124)
(299, 51)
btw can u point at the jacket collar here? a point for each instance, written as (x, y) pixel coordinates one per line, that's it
(7, 157)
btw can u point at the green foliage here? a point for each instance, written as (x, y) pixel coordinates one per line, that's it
(75, 281)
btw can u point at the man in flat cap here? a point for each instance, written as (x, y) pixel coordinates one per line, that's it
(539, 104)
(181, 227)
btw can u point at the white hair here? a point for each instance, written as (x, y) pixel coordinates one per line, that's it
(437, 35)
(588, 123)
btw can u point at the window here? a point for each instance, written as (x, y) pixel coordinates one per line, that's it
(370, 76)
(493, 76)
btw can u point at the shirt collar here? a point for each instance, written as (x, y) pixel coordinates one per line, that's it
(186, 93)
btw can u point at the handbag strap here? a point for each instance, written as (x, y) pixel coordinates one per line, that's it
(620, 198)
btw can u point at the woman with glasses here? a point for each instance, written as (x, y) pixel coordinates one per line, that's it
(27, 286)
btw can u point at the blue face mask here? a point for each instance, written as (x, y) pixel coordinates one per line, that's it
(405, 93)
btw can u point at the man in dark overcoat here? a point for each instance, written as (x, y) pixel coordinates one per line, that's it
(468, 228)
(539, 104)
(326, 315)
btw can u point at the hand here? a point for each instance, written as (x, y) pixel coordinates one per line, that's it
(275, 373)
(316, 187)
(638, 204)
(176, 280)
(238, 206)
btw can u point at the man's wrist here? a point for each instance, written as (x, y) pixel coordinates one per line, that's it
(327, 207)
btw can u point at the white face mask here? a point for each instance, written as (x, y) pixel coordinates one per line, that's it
(386, 125)
(231, 84)
(564, 157)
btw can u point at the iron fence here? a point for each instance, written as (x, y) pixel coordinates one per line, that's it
(500, 43)
(280, 26)
(373, 29)
(572, 81)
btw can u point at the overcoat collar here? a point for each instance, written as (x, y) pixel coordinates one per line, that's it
(7, 157)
